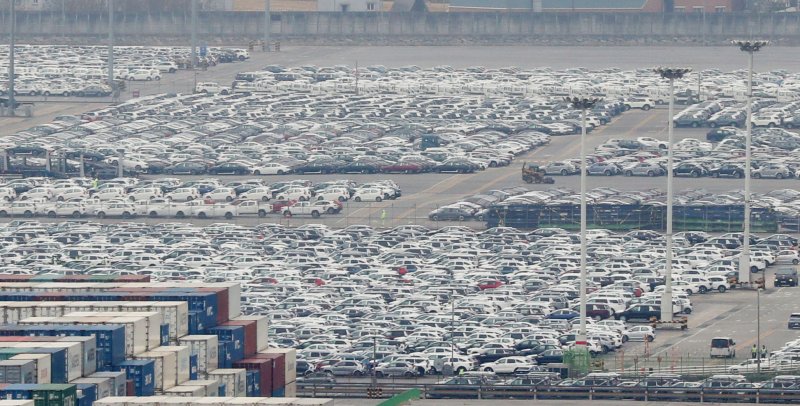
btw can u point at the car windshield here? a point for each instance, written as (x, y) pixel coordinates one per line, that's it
(720, 343)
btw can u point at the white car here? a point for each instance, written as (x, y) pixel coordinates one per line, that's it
(641, 333)
(27, 209)
(109, 193)
(299, 194)
(369, 194)
(508, 365)
(262, 193)
(340, 194)
(787, 257)
(147, 193)
(183, 194)
(639, 103)
(124, 210)
(71, 193)
(220, 194)
(210, 87)
(271, 169)
(143, 74)
(71, 209)
(41, 192)
(250, 207)
(8, 194)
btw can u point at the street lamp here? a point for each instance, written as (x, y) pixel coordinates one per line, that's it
(751, 47)
(13, 27)
(111, 82)
(666, 298)
(582, 104)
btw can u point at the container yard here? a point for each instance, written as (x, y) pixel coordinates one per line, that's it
(74, 341)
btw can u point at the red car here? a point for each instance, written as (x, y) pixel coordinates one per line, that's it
(403, 168)
(279, 205)
(489, 284)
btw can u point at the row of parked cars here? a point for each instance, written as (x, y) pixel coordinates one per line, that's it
(774, 156)
(171, 197)
(57, 70)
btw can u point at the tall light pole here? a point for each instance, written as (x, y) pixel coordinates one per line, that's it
(751, 47)
(194, 34)
(267, 24)
(582, 104)
(13, 26)
(666, 298)
(758, 330)
(111, 44)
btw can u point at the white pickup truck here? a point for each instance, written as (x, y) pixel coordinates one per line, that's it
(214, 210)
(250, 207)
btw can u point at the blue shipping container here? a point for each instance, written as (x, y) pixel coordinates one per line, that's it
(193, 367)
(279, 393)
(165, 334)
(221, 391)
(224, 349)
(196, 324)
(18, 391)
(89, 391)
(234, 334)
(143, 375)
(249, 384)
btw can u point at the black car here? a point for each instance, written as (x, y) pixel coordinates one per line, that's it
(728, 171)
(319, 167)
(456, 166)
(689, 169)
(450, 213)
(786, 277)
(554, 356)
(719, 134)
(94, 91)
(494, 354)
(360, 167)
(186, 168)
(229, 168)
(640, 312)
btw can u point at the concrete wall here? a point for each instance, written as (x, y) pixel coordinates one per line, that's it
(410, 28)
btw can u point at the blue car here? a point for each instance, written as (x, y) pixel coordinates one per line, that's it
(563, 314)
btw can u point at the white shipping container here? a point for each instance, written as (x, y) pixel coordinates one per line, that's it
(181, 360)
(74, 354)
(186, 391)
(16, 403)
(246, 401)
(261, 330)
(206, 347)
(135, 332)
(275, 401)
(290, 354)
(176, 314)
(105, 386)
(118, 378)
(89, 352)
(146, 401)
(234, 379)
(43, 373)
(165, 368)
(152, 323)
(212, 401)
(210, 386)
(291, 390)
(311, 402)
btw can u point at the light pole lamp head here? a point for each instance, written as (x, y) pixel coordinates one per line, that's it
(671, 73)
(750, 45)
(582, 103)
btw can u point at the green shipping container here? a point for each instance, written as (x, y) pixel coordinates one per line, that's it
(55, 395)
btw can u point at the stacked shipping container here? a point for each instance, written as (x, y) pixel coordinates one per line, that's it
(116, 337)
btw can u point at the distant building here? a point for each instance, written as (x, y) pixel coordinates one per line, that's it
(599, 6)
(348, 5)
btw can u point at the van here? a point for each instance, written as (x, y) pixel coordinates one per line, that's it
(723, 347)
(723, 381)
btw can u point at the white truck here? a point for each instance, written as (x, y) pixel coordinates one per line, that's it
(250, 207)
(214, 210)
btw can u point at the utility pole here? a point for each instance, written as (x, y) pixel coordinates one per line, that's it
(194, 34)
(64, 21)
(11, 99)
(267, 24)
(666, 299)
(111, 44)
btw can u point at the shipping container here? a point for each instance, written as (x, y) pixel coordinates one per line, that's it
(291, 389)
(74, 354)
(142, 374)
(42, 365)
(58, 360)
(264, 367)
(186, 391)
(290, 361)
(206, 349)
(16, 371)
(164, 335)
(16, 403)
(55, 395)
(89, 345)
(211, 386)
(234, 334)
(119, 381)
(262, 329)
(311, 402)
(193, 372)
(182, 366)
(224, 350)
(250, 337)
(104, 387)
(165, 368)
(87, 394)
(135, 331)
(278, 369)
(152, 323)
(233, 379)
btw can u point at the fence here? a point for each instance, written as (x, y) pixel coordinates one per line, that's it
(689, 367)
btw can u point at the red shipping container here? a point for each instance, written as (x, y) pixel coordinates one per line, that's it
(13, 339)
(278, 368)
(264, 368)
(15, 278)
(74, 278)
(250, 334)
(133, 279)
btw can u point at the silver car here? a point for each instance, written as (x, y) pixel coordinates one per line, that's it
(772, 171)
(645, 169)
(396, 368)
